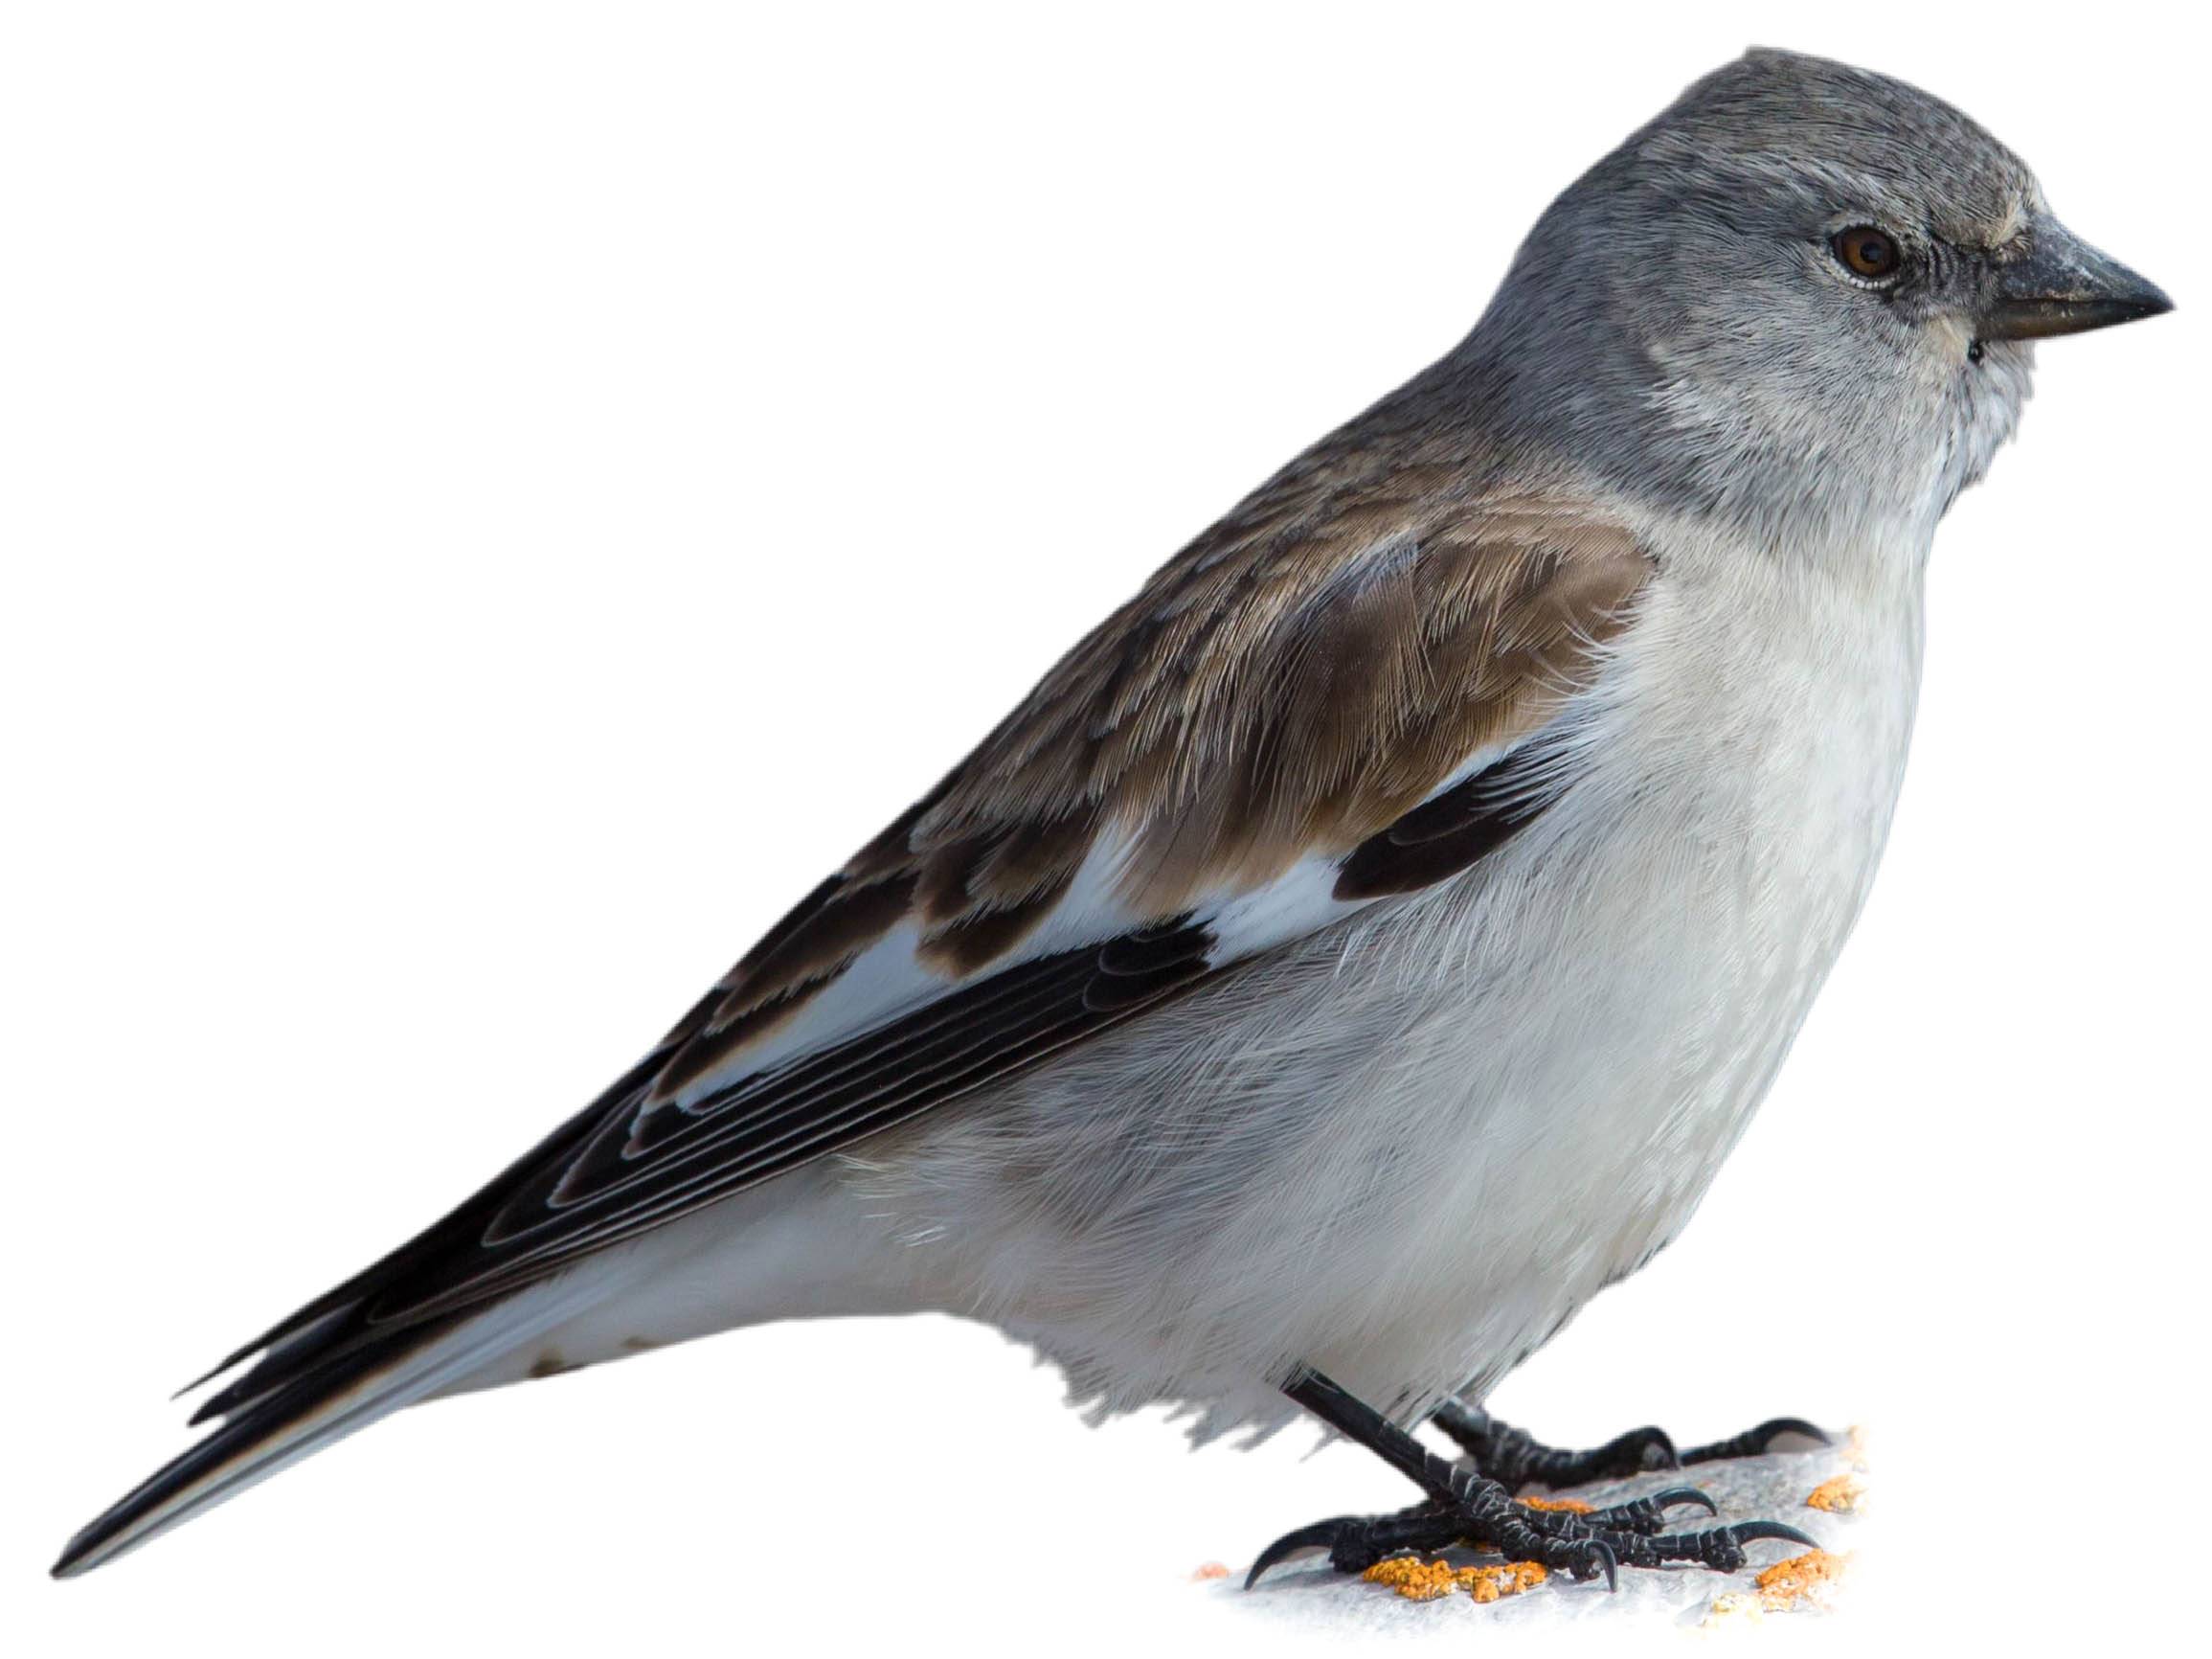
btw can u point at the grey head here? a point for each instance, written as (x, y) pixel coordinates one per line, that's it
(1804, 296)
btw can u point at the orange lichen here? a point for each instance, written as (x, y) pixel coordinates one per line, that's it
(1488, 1583)
(1419, 1580)
(1572, 1505)
(1806, 1578)
(1803, 1582)
(1839, 1495)
(1211, 1570)
(1415, 1579)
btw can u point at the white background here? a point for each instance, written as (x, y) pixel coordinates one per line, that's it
(498, 500)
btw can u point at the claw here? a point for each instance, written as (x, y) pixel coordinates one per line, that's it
(1656, 1449)
(1756, 1441)
(1321, 1534)
(1648, 1515)
(1775, 1428)
(1751, 1532)
(1641, 1451)
(1596, 1558)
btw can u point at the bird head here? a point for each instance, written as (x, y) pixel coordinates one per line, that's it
(1801, 289)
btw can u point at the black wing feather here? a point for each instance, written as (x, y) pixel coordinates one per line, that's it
(1452, 831)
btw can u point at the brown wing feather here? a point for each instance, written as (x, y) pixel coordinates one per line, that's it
(1279, 697)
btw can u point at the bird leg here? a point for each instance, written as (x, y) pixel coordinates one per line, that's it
(1513, 1459)
(1465, 1506)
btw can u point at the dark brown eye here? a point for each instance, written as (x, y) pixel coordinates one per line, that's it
(1866, 252)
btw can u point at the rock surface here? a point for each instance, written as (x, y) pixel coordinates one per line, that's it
(1771, 1487)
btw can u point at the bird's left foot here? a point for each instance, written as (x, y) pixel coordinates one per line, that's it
(1484, 1514)
(1515, 1459)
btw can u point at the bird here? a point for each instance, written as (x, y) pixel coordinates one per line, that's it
(1367, 943)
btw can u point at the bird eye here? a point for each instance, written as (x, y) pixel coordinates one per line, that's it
(1866, 252)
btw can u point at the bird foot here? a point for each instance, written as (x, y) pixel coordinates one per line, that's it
(1515, 1459)
(1482, 1513)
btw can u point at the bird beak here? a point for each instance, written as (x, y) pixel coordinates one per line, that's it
(2062, 285)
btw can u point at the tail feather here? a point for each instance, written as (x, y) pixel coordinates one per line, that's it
(316, 1409)
(359, 1351)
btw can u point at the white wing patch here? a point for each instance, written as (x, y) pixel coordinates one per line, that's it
(1299, 901)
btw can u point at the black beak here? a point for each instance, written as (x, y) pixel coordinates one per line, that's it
(2062, 285)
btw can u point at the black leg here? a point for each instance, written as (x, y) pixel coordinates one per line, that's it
(1464, 1506)
(1515, 1459)
(1359, 1422)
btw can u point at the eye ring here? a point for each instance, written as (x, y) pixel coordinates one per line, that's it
(1869, 252)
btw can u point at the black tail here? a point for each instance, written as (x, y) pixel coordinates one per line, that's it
(313, 1411)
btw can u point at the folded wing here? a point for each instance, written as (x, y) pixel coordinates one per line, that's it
(1350, 690)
